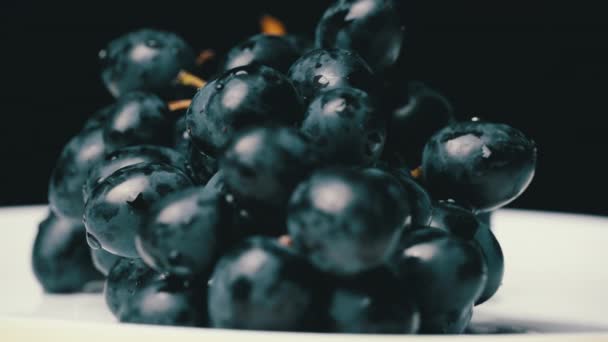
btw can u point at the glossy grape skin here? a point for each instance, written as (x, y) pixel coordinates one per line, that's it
(183, 234)
(456, 219)
(347, 221)
(443, 273)
(240, 98)
(261, 285)
(60, 257)
(71, 171)
(144, 60)
(417, 113)
(137, 119)
(121, 203)
(372, 303)
(103, 260)
(125, 279)
(132, 155)
(274, 51)
(166, 301)
(372, 28)
(264, 164)
(346, 126)
(479, 164)
(494, 259)
(322, 70)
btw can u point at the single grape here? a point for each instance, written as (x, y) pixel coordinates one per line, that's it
(444, 273)
(263, 165)
(144, 60)
(492, 253)
(138, 119)
(60, 256)
(71, 171)
(346, 126)
(322, 70)
(243, 97)
(372, 28)
(183, 233)
(347, 221)
(479, 164)
(121, 203)
(277, 52)
(263, 286)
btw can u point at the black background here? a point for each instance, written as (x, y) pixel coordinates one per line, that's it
(539, 66)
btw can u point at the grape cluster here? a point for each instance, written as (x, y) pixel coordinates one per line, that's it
(290, 192)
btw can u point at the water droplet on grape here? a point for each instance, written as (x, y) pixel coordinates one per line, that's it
(219, 86)
(241, 72)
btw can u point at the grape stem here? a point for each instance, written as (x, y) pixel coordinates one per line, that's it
(187, 79)
(285, 240)
(205, 56)
(416, 173)
(179, 105)
(272, 26)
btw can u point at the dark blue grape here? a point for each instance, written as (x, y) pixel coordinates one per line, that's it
(322, 70)
(492, 253)
(444, 274)
(240, 98)
(479, 164)
(263, 286)
(183, 234)
(144, 60)
(372, 28)
(120, 204)
(347, 221)
(138, 119)
(71, 171)
(265, 164)
(60, 256)
(346, 126)
(277, 52)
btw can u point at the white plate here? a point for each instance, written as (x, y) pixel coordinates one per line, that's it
(556, 282)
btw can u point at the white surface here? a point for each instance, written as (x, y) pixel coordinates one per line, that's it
(556, 280)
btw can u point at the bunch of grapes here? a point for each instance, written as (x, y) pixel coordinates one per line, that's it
(300, 188)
